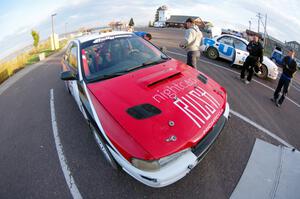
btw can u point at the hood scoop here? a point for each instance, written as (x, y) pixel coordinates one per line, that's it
(160, 76)
(143, 111)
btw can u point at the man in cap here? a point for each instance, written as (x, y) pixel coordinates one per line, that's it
(191, 42)
(289, 68)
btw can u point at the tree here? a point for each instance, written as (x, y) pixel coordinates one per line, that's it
(36, 38)
(131, 22)
(150, 24)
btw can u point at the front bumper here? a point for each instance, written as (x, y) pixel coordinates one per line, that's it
(273, 74)
(178, 168)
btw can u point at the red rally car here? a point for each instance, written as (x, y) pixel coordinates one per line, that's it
(151, 115)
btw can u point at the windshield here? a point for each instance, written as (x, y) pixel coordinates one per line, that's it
(117, 55)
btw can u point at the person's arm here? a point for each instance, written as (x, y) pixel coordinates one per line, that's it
(284, 62)
(292, 67)
(248, 46)
(261, 54)
(188, 38)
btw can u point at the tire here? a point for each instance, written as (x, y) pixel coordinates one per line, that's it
(105, 151)
(212, 53)
(264, 72)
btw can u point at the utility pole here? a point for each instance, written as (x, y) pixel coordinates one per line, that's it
(258, 21)
(53, 42)
(265, 32)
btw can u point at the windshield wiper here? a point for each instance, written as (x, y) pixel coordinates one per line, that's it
(107, 76)
(149, 63)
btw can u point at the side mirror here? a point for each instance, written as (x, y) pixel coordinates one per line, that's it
(163, 49)
(67, 75)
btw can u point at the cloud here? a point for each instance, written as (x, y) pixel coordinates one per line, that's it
(283, 15)
(73, 16)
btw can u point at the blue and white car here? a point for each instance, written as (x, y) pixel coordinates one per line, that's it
(234, 49)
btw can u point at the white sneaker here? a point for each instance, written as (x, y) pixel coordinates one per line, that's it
(258, 73)
(247, 82)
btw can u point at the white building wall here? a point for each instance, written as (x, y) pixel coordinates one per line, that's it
(163, 15)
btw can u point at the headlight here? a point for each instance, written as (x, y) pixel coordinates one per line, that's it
(156, 164)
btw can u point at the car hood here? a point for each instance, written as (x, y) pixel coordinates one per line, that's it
(188, 107)
(269, 63)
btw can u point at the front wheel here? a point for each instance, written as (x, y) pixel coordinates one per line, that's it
(105, 151)
(212, 53)
(264, 72)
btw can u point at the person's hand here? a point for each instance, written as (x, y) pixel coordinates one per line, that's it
(181, 45)
(259, 65)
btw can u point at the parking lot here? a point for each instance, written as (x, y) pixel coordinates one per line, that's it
(30, 167)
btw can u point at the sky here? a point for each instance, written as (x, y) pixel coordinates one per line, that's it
(18, 18)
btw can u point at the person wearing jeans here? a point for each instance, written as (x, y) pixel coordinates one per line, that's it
(289, 68)
(191, 43)
(192, 58)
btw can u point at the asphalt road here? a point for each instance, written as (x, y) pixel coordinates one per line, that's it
(30, 168)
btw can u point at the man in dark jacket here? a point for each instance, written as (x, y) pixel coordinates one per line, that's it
(254, 59)
(289, 68)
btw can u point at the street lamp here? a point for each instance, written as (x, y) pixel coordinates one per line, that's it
(53, 31)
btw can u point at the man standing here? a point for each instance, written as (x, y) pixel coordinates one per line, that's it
(191, 43)
(289, 68)
(254, 59)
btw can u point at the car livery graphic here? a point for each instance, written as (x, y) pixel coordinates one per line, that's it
(152, 116)
(234, 49)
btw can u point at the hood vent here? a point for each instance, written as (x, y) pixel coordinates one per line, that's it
(202, 78)
(163, 79)
(143, 111)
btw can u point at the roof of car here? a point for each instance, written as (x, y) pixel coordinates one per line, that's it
(94, 36)
(242, 39)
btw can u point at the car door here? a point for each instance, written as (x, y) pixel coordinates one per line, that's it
(225, 47)
(73, 64)
(240, 52)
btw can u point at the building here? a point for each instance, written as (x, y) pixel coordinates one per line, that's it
(294, 45)
(163, 14)
(178, 21)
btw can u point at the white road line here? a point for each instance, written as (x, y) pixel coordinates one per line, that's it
(59, 148)
(260, 128)
(223, 67)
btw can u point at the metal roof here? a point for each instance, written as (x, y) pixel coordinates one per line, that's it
(180, 18)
